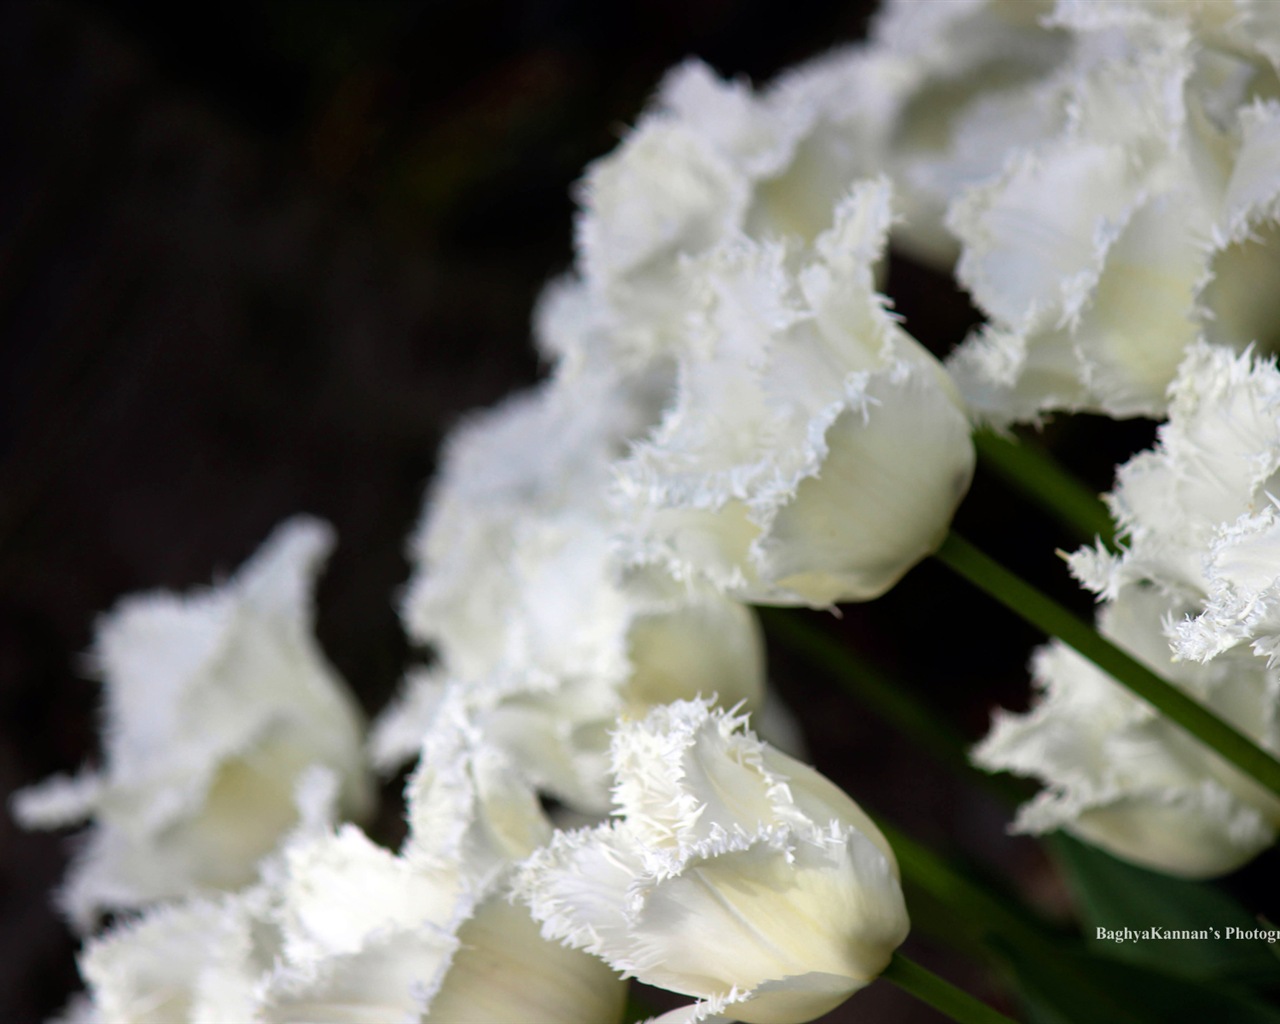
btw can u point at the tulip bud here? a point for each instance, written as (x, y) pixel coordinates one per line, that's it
(734, 874)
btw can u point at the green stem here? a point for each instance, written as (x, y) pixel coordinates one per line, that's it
(1043, 612)
(1030, 469)
(941, 995)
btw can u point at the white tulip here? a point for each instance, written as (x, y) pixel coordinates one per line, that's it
(733, 873)
(1124, 778)
(814, 451)
(1214, 466)
(1194, 582)
(216, 704)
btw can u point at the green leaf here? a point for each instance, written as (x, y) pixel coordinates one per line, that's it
(1112, 894)
(1113, 992)
(1061, 989)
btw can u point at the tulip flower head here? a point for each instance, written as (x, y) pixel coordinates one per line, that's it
(814, 451)
(732, 873)
(1121, 776)
(216, 704)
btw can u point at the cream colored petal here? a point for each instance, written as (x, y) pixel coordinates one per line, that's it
(506, 971)
(688, 771)
(1029, 263)
(664, 192)
(469, 809)
(579, 886)
(894, 472)
(1122, 777)
(711, 644)
(146, 972)
(768, 910)
(1201, 833)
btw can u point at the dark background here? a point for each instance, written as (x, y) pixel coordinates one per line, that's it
(256, 260)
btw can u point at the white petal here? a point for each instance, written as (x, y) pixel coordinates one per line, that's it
(390, 979)
(147, 971)
(687, 771)
(340, 891)
(1244, 271)
(217, 704)
(1243, 570)
(666, 191)
(469, 809)
(670, 649)
(194, 961)
(1029, 263)
(579, 887)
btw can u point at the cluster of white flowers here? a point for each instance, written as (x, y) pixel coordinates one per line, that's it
(340, 929)
(517, 589)
(735, 415)
(260, 906)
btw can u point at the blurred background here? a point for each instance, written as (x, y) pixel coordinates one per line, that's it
(257, 259)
